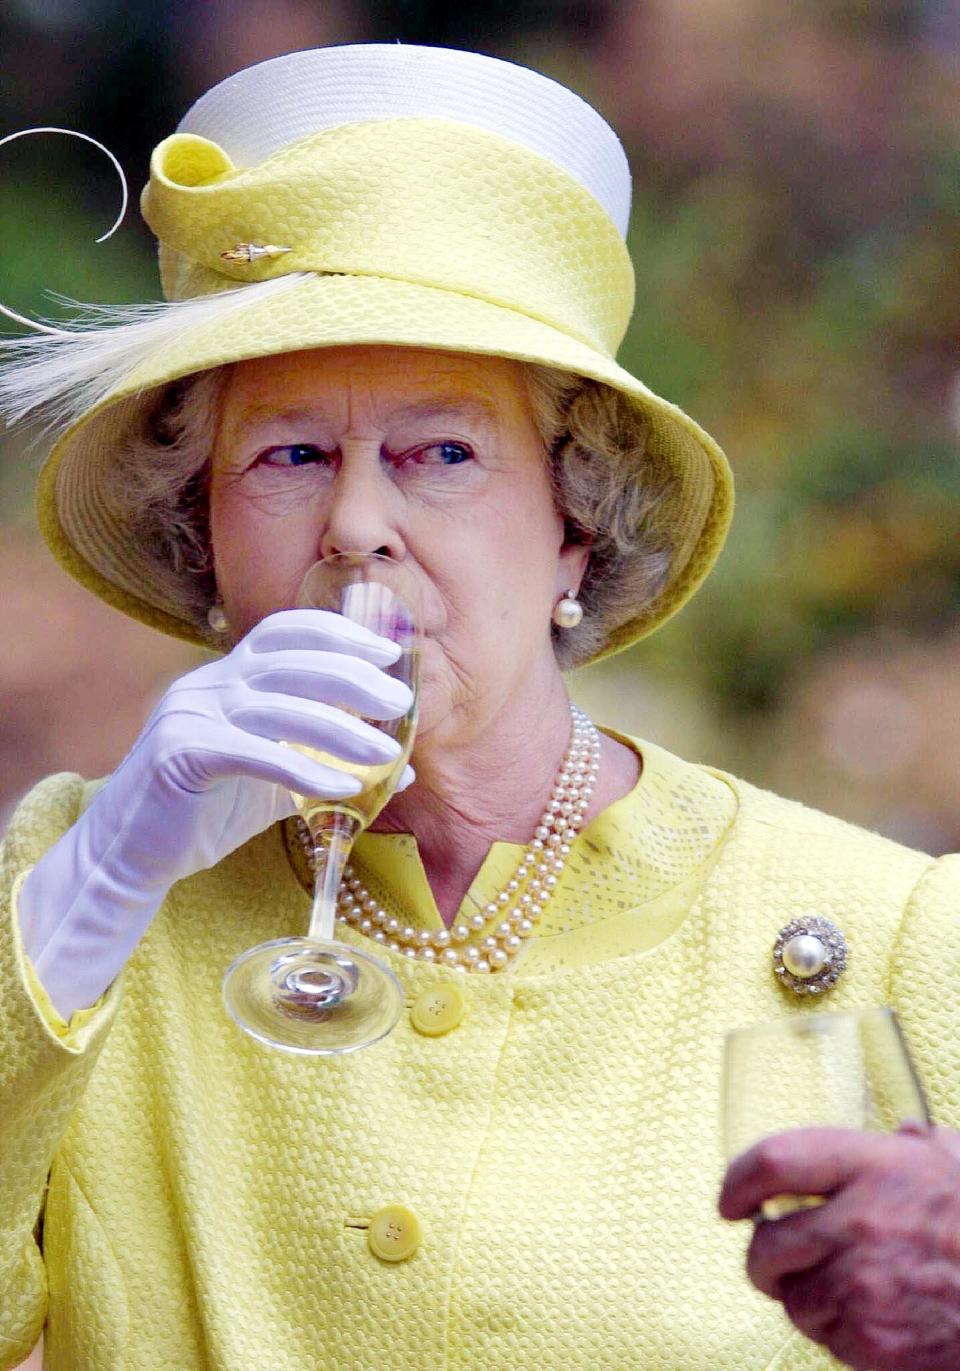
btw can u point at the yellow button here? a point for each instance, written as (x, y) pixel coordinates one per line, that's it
(437, 1010)
(394, 1233)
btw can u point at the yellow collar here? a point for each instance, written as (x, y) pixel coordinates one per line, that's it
(629, 880)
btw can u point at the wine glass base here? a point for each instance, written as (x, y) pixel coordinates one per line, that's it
(311, 982)
(313, 998)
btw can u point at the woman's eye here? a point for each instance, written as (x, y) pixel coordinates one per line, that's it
(296, 455)
(449, 454)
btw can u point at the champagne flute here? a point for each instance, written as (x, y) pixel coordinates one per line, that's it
(846, 1070)
(316, 995)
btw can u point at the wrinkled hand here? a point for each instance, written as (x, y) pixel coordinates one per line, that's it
(874, 1273)
(209, 771)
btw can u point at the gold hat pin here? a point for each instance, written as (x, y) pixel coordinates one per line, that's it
(252, 252)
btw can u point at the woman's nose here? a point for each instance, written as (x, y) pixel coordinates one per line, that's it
(361, 514)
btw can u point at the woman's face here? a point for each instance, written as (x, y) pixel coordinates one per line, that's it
(432, 458)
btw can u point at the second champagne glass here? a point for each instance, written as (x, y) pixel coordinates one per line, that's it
(316, 995)
(845, 1070)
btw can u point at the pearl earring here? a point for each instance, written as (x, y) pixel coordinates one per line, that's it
(568, 611)
(217, 619)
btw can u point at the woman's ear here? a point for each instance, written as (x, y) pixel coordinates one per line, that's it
(572, 561)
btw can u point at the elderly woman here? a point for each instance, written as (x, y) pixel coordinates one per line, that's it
(397, 280)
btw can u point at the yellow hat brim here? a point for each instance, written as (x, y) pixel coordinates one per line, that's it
(319, 311)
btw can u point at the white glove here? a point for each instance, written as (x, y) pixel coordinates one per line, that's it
(207, 773)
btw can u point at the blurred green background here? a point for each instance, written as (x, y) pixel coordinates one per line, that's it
(796, 233)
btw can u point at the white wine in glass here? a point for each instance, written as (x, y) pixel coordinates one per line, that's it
(316, 995)
(378, 782)
(845, 1070)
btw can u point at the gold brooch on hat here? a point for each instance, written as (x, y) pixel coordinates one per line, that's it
(809, 955)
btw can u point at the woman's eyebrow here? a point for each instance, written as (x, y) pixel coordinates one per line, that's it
(253, 417)
(475, 408)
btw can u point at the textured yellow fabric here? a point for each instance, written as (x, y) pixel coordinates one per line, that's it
(413, 232)
(210, 1201)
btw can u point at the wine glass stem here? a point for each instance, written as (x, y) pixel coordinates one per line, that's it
(333, 835)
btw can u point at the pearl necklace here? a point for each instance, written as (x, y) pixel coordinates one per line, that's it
(489, 939)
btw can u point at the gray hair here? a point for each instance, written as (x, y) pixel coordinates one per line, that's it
(610, 493)
(606, 488)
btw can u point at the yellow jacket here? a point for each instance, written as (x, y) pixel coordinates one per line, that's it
(210, 1201)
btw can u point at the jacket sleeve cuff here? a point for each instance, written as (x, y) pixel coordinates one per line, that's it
(76, 1033)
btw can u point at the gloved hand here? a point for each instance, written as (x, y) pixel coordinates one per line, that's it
(207, 773)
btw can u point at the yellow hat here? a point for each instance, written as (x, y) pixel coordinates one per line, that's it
(385, 194)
